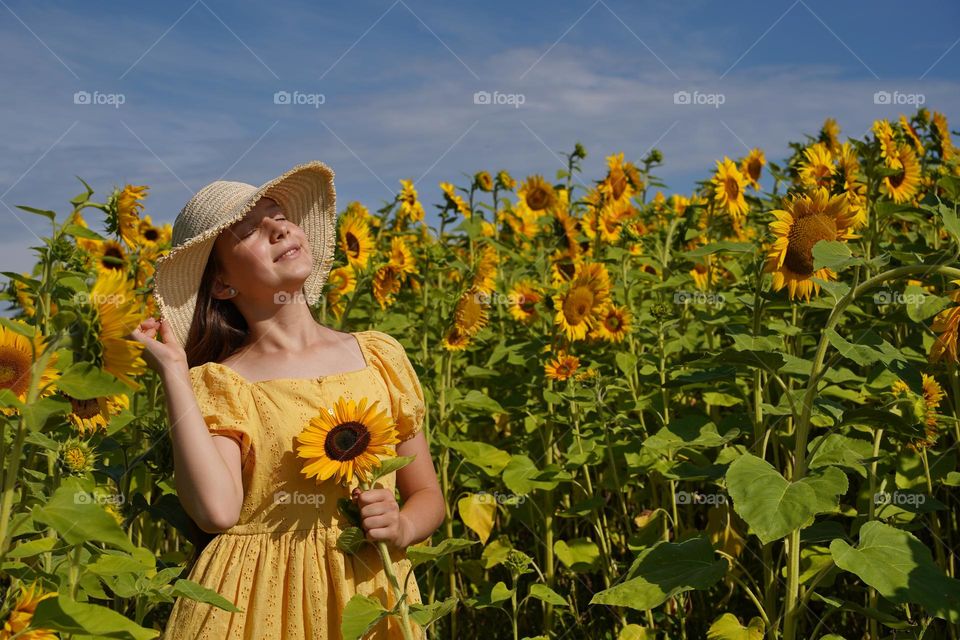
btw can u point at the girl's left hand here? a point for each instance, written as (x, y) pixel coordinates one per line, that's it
(381, 516)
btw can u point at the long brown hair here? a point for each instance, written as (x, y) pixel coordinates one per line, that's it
(217, 330)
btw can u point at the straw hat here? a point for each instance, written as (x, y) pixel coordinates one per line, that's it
(308, 198)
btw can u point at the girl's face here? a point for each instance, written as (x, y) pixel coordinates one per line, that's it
(254, 259)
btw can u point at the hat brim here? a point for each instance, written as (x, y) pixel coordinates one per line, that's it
(306, 193)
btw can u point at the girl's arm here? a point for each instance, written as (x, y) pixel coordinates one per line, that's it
(206, 468)
(423, 508)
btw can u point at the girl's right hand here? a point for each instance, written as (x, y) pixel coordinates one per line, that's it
(160, 356)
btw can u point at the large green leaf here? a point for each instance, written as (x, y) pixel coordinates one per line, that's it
(359, 616)
(419, 554)
(194, 591)
(694, 431)
(486, 456)
(424, 615)
(577, 554)
(75, 515)
(774, 506)
(83, 381)
(900, 567)
(663, 571)
(522, 476)
(63, 614)
(727, 627)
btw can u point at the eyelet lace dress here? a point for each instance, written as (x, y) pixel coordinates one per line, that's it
(280, 563)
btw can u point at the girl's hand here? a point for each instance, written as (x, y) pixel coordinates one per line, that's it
(381, 517)
(160, 356)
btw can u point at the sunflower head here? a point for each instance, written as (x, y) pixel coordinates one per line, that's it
(537, 194)
(728, 186)
(346, 442)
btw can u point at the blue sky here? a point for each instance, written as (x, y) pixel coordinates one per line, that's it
(198, 78)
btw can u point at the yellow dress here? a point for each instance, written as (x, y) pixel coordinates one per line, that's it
(280, 562)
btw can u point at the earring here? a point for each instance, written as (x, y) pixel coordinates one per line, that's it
(233, 292)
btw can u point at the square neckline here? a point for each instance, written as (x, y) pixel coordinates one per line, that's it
(363, 352)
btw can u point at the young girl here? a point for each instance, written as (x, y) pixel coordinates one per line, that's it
(245, 368)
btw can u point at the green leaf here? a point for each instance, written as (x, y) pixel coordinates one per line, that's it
(728, 627)
(360, 615)
(545, 593)
(498, 593)
(420, 554)
(52, 215)
(200, 593)
(425, 615)
(389, 465)
(692, 431)
(900, 567)
(663, 571)
(84, 381)
(75, 515)
(32, 548)
(479, 402)
(486, 456)
(351, 539)
(63, 614)
(522, 476)
(864, 353)
(831, 254)
(578, 554)
(773, 506)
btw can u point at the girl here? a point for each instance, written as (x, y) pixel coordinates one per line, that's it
(246, 368)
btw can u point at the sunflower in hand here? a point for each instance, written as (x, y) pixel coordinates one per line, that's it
(346, 441)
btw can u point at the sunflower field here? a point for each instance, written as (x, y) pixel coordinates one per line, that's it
(725, 414)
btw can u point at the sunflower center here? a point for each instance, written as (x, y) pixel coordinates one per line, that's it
(151, 235)
(346, 441)
(538, 199)
(618, 182)
(753, 169)
(13, 374)
(732, 188)
(84, 408)
(804, 233)
(897, 179)
(613, 323)
(353, 245)
(578, 304)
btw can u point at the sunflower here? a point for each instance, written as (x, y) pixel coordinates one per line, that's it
(401, 258)
(562, 367)
(455, 340)
(108, 255)
(941, 134)
(564, 266)
(752, 166)
(410, 206)
(911, 134)
(151, 237)
(808, 218)
(622, 181)
(505, 181)
(537, 194)
(883, 132)
(128, 207)
(22, 614)
(947, 324)
(932, 396)
(583, 303)
(485, 278)
(342, 281)
(386, 283)
(614, 325)
(470, 316)
(522, 222)
(118, 315)
(454, 200)
(703, 277)
(355, 241)
(76, 457)
(483, 181)
(346, 441)
(729, 184)
(902, 186)
(830, 134)
(523, 298)
(817, 168)
(92, 415)
(18, 356)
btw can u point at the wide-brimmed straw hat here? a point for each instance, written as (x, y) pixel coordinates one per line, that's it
(308, 198)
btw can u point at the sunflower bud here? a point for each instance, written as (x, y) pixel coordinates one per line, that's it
(76, 457)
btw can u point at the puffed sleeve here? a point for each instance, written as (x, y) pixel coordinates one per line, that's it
(223, 405)
(406, 394)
